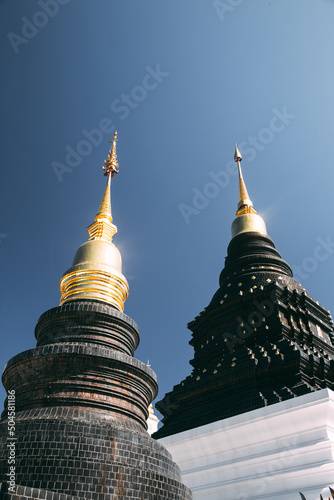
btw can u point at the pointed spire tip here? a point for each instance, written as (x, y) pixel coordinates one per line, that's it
(103, 228)
(237, 154)
(111, 166)
(245, 206)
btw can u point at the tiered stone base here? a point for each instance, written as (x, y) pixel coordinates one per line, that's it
(87, 454)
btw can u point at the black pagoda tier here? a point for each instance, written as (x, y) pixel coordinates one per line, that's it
(262, 339)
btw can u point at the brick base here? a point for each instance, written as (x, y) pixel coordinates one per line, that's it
(87, 454)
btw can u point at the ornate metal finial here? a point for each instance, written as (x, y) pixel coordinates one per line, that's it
(103, 228)
(111, 166)
(237, 154)
(245, 206)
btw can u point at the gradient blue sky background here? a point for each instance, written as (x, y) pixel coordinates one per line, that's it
(228, 68)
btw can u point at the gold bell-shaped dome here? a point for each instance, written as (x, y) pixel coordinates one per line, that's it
(96, 271)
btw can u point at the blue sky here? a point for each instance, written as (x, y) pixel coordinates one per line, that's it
(181, 81)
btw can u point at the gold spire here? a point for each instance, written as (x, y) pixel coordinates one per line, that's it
(96, 271)
(103, 228)
(105, 207)
(247, 219)
(245, 206)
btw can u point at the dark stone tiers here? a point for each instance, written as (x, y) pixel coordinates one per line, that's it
(81, 409)
(262, 339)
(87, 454)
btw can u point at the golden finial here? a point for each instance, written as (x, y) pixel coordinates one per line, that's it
(237, 155)
(103, 228)
(247, 219)
(245, 206)
(110, 165)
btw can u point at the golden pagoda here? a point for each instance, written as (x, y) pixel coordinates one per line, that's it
(96, 271)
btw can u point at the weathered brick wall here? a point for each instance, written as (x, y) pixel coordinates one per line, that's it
(81, 402)
(90, 455)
